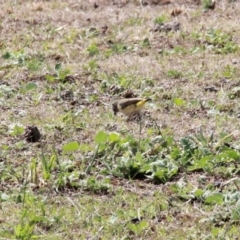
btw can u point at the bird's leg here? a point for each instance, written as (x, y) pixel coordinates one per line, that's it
(135, 116)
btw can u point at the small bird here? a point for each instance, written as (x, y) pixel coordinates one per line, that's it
(129, 106)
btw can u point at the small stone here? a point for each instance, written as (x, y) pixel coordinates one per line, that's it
(32, 134)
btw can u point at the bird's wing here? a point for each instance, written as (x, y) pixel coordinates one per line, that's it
(128, 102)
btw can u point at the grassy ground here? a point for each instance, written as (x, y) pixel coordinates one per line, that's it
(93, 175)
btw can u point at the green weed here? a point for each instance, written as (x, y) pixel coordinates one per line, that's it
(161, 19)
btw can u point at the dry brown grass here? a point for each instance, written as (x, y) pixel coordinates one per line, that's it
(46, 33)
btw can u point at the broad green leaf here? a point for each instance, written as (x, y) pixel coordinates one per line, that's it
(133, 227)
(198, 193)
(5, 147)
(114, 137)
(85, 147)
(58, 66)
(101, 137)
(6, 55)
(215, 232)
(50, 78)
(179, 101)
(72, 146)
(138, 157)
(16, 130)
(62, 74)
(215, 198)
(232, 154)
(187, 144)
(142, 225)
(202, 163)
(160, 174)
(30, 86)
